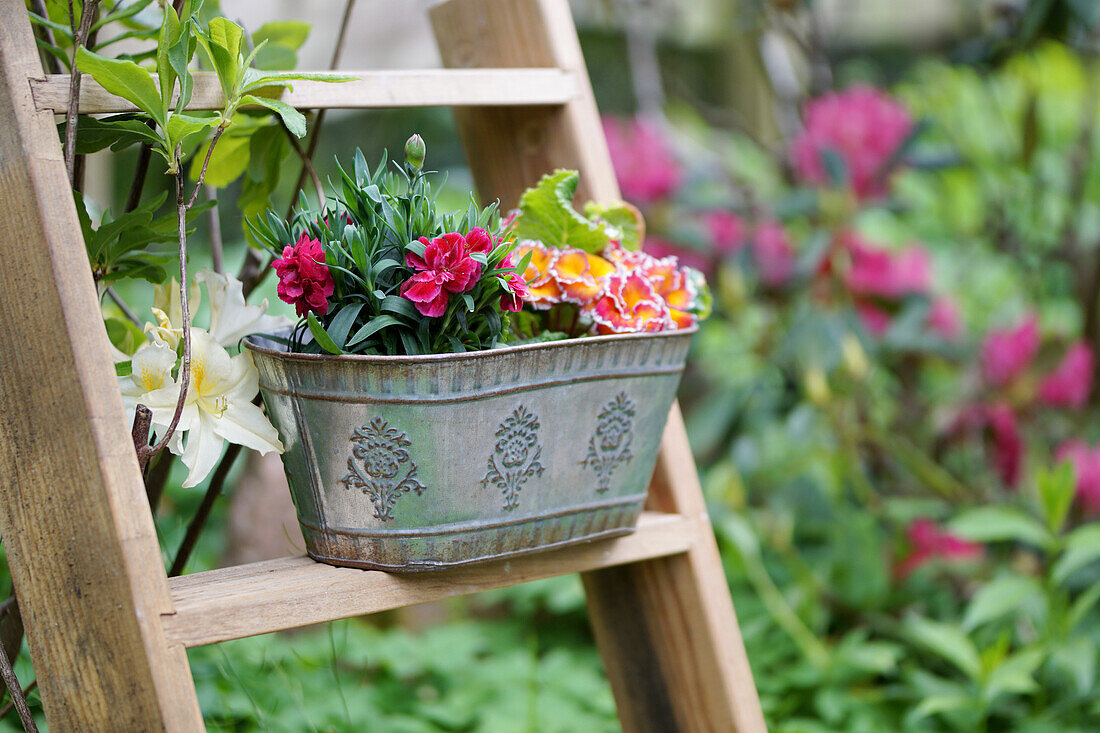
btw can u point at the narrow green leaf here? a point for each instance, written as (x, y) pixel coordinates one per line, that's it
(1000, 524)
(1082, 548)
(1056, 491)
(342, 322)
(372, 327)
(320, 335)
(999, 597)
(946, 641)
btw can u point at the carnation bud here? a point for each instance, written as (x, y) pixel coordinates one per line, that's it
(414, 152)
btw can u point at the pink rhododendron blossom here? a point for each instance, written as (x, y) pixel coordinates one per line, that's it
(944, 320)
(725, 230)
(772, 253)
(1086, 461)
(880, 273)
(874, 318)
(445, 268)
(1007, 353)
(1008, 446)
(862, 126)
(644, 161)
(928, 542)
(304, 279)
(1071, 381)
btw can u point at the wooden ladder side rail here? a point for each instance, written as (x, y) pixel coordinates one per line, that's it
(666, 627)
(76, 524)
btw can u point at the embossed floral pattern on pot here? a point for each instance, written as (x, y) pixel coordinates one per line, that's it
(515, 456)
(610, 445)
(379, 454)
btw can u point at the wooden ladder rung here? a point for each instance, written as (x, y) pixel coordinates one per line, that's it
(371, 89)
(232, 603)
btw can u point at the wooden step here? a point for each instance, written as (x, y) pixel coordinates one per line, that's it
(232, 603)
(371, 89)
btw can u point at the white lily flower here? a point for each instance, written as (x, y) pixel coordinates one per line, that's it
(231, 318)
(218, 407)
(150, 370)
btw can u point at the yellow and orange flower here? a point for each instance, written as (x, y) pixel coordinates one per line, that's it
(630, 304)
(621, 291)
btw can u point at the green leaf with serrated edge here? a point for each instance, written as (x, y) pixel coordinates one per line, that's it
(946, 641)
(123, 79)
(999, 524)
(624, 222)
(998, 598)
(547, 215)
(1082, 547)
(1056, 491)
(294, 120)
(321, 336)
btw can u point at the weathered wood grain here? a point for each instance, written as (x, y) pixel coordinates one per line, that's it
(218, 605)
(371, 89)
(76, 525)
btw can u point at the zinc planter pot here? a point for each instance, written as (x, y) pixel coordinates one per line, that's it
(419, 463)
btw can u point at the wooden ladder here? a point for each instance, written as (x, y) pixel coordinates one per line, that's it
(107, 629)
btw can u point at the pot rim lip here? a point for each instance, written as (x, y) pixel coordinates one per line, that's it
(251, 345)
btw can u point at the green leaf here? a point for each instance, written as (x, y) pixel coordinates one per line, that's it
(1077, 659)
(936, 704)
(946, 641)
(123, 79)
(321, 336)
(1056, 491)
(999, 597)
(1014, 675)
(1000, 524)
(341, 323)
(1082, 548)
(625, 222)
(399, 306)
(1082, 606)
(181, 127)
(229, 159)
(372, 327)
(284, 38)
(835, 167)
(547, 215)
(116, 132)
(254, 79)
(294, 120)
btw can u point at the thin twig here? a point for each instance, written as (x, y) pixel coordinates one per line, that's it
(307, 164)
(205, 163)
(145, 157)
(26, 691)
(217, 260)
(185, 313)
(194, 529)
(16, 692)
(123, 307)
(143, 422)
(79, 37)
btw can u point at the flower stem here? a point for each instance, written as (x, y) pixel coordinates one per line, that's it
(80, 35)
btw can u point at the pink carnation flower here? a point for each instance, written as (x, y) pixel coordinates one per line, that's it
(1070, 383)
(1086, 461)
(445, 268)
(928, 542)
(517, 291)
(304, 279)
(644, 161)
(1007, 353)
(861, 125)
